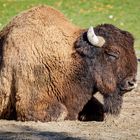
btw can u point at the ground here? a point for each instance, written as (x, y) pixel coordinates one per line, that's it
(124, 127)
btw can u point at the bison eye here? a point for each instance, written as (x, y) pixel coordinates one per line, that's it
(112, 56)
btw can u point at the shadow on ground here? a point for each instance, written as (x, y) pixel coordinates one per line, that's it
(36, 136)
(27, 133)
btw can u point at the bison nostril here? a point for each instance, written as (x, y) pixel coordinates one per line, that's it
(131, 83)
(128, 85)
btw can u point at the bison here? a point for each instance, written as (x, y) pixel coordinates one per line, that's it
(50, 69)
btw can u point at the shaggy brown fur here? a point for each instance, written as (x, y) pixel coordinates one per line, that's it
(45, 76)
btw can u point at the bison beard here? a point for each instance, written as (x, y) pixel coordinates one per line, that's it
(113, 103)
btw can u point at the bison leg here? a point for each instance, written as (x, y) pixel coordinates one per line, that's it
(44, 112)
(7, 95)
(92, 111)
(113, 103)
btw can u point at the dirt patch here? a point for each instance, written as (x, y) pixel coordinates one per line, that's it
(124, 127)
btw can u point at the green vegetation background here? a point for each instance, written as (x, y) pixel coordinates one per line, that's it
(125, 14)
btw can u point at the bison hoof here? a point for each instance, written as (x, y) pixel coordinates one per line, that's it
(91, 117)
(92, 111)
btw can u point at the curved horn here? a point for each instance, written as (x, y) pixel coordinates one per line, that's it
(93, 39)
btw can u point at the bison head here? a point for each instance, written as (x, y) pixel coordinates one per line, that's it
(112, 62)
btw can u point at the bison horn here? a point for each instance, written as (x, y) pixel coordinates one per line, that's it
(93, 39)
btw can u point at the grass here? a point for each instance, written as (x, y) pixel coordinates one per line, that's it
(125, 14)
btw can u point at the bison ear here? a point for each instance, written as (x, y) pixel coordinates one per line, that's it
(83, 47)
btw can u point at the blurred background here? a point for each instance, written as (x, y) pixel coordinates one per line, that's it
(125, 14)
